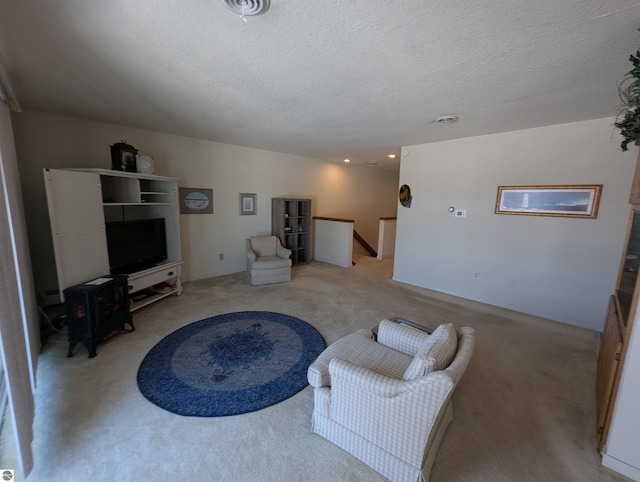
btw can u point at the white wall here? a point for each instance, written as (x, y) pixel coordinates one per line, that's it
(558, 268)
(333, 242)
(387, 238)
(336, 190)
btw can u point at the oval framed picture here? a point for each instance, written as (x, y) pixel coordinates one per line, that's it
(196, 201)
(405, 195)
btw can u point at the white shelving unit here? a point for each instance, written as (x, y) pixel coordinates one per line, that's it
(81, 201)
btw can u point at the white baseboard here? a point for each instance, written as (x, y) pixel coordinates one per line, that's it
(621, 467)
(528, 311)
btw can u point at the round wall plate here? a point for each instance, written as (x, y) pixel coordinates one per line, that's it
(404, 195)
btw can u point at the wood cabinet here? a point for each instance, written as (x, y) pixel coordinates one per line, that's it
(81, 201)
(634, 195)
(618, 324)
(608, 368)
(291, 222)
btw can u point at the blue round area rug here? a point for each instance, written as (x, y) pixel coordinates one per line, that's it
(230, 364)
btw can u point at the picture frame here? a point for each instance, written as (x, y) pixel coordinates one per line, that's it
(248, 204)
(571, 201)
(196, 201)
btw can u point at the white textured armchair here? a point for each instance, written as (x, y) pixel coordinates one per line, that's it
(267, 261)
(388, 401)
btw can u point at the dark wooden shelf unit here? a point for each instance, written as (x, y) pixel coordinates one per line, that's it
(291, 222)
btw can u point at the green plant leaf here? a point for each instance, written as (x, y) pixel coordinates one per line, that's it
(628, 118)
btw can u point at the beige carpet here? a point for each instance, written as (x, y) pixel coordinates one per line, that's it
(525, 409)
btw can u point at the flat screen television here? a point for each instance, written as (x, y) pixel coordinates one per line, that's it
(135, 245)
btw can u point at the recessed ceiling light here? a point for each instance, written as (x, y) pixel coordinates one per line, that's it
(347, 160)
(246, 7)
(373, 163)
(392, 156)
(447, 119)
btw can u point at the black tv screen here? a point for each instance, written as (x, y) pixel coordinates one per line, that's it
(135, 245)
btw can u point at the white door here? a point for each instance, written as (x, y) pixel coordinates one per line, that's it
(77, 226)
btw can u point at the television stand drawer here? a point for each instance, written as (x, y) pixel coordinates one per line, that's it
(149, 277)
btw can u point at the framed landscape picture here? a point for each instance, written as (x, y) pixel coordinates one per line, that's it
(573, 201)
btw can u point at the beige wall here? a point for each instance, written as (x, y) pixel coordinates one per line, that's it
(46, 140)
(559, 268)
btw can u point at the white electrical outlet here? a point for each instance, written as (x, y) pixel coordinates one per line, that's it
(461, 213)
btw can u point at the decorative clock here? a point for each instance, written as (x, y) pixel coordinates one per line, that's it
(144, 164)
(123, 157)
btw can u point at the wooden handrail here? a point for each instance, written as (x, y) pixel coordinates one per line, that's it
(339, 220)
(364, 244)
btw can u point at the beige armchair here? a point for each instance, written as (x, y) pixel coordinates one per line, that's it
(267, 261)
(387, 401)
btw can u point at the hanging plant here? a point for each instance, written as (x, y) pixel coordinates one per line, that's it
(628, 119)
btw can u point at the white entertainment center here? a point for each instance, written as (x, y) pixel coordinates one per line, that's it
(82, 201)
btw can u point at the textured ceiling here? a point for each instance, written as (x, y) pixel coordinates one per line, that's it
(328, 79)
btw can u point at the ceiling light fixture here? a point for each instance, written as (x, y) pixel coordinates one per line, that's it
(391, 156)
(347, 160)
(447, 119)
(246, 7)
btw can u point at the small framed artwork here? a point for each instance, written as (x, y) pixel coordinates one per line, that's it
(574, 201)
(196, 201)
(248, 204)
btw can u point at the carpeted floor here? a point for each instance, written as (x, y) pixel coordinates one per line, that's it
(525, 409)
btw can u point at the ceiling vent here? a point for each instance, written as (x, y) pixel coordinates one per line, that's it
(246, 8)
(447, 119)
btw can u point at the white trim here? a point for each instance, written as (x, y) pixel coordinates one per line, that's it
(4, 396)
(620, 467)
(18, 274)
(16, 294)
(520, 309)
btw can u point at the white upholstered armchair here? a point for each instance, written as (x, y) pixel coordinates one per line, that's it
(388, 401)
(267, 261)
